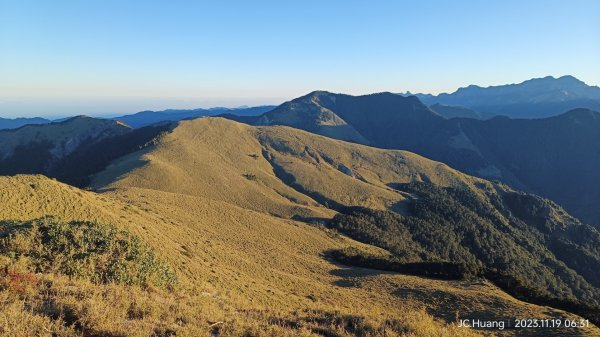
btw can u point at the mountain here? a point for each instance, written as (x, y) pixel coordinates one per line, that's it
(370, 119)
(535, 98)
(294, 174)
(248, 217)
(311, 113)
(39, 148)
(449, 111)
(554, 157)
(145, 118)
(15, 123)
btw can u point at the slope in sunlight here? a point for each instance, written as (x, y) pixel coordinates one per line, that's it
(253, 273)
(219, 201)
(295, 174)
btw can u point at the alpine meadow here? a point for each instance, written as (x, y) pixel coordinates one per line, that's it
(325, 169)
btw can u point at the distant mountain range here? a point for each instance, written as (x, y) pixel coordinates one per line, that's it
(144, 118)
(556, 157)
(8, 123)
(535, 98)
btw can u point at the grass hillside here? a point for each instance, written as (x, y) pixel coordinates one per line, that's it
(196, 160)
(275, 170)
(194, 173)
(227, 264)
(239, 272)
(230, 262)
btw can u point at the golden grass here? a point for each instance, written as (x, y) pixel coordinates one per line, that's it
(212, 157)
(71, 308)
(240, 258)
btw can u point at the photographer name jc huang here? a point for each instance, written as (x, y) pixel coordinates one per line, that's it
(481, 324)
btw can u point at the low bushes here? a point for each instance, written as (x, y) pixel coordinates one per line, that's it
(97, 252)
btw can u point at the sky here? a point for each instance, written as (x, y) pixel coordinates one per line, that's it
(109, 57)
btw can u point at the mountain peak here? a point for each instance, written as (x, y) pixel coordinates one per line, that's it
(83, 119)
(533, 98)
(354, 118)
(570, 79)
(76, 118)
(565, 79)
(317, 93)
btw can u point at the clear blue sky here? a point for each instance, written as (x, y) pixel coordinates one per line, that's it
(109, 57)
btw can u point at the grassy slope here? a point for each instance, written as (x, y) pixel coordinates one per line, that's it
(349, 174)
(199, 159)
(234, 266)
(195, 181)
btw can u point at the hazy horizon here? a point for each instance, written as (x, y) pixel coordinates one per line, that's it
(111, 58)
(124, 106)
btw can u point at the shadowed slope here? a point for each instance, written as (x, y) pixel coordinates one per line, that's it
(7, 123)
(555, 157)
(39, 148)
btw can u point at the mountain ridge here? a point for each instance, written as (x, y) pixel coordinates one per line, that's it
(486, 148)
(36, 148)
(200, 198)
(299, 175)
(534, 98)
(8, 123)
(148, 117)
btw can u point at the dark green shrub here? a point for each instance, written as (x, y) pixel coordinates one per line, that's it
(250, 176)
(439, 270)
(97, 252)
